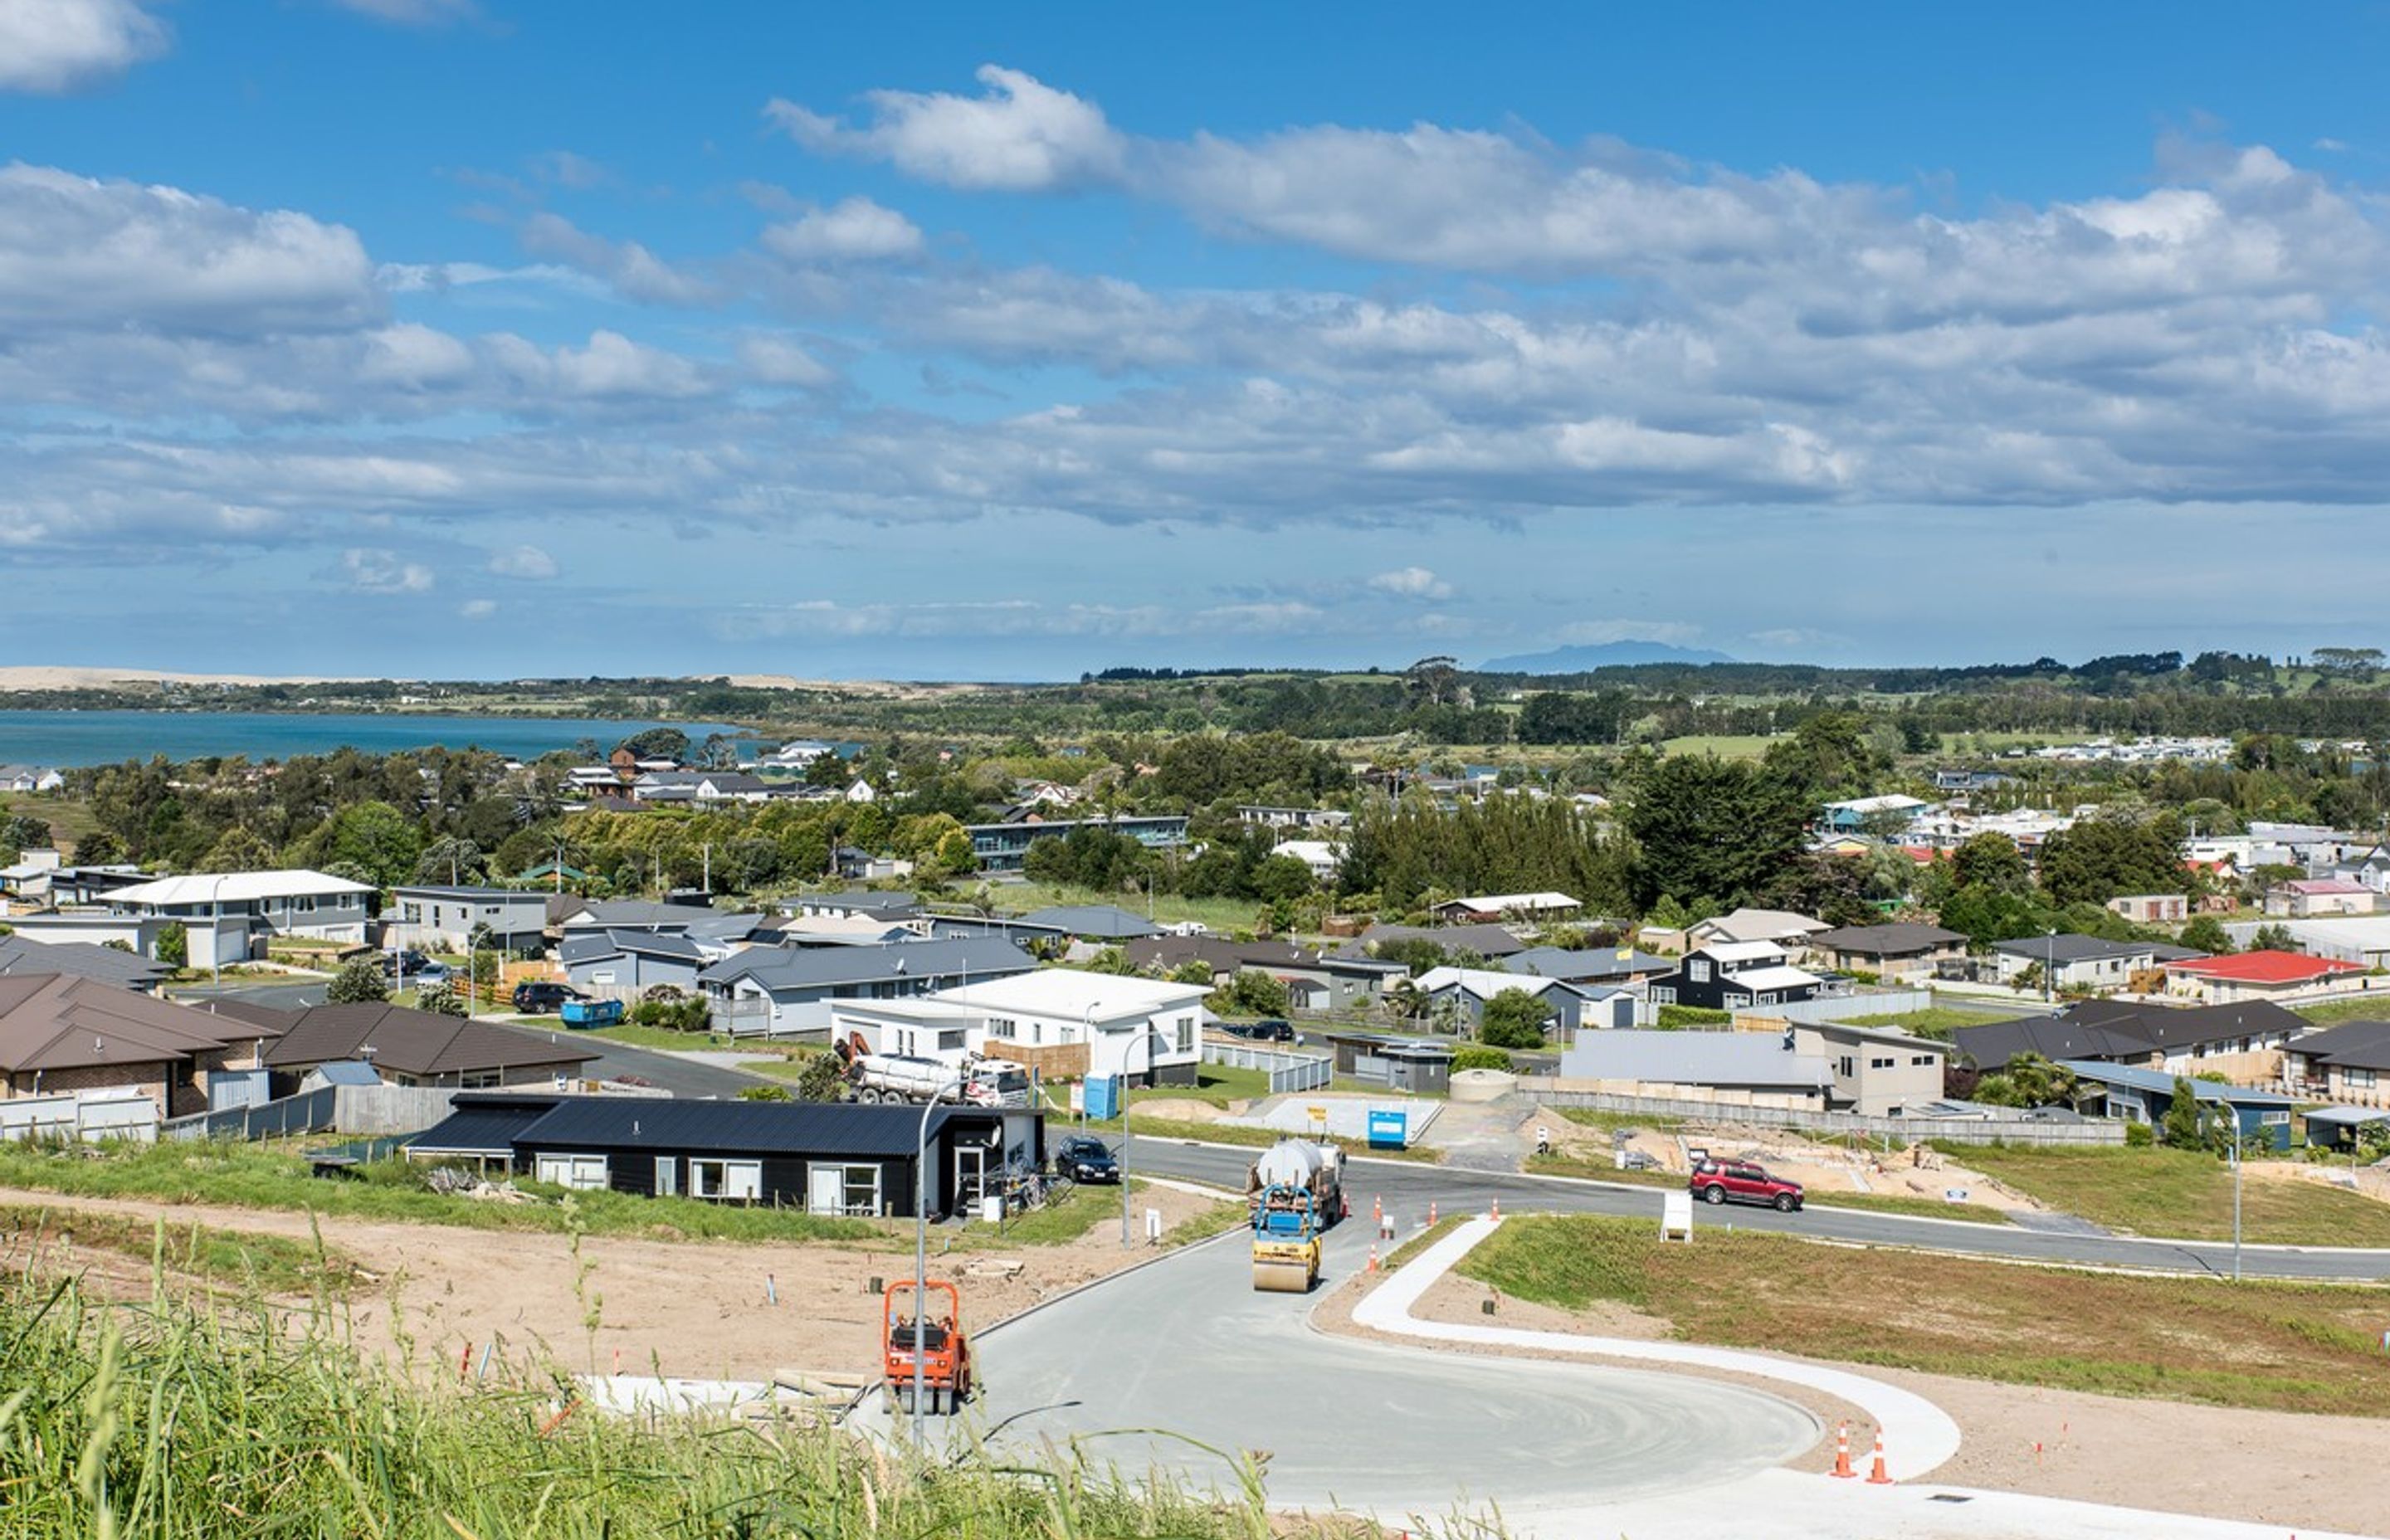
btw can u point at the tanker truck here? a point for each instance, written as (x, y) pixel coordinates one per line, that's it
(1296, 1191)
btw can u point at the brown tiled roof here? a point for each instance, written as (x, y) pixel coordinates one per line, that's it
(59, 1021)
(415, 1042)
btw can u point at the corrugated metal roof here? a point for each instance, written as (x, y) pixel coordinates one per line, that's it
(482, 1128)
(734, 1128)
(1692, 1059)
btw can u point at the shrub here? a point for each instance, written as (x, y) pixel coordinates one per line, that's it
(174, 946)
(1672, 1017)
(2139, 1135)
(765, 1093)
(1476, 1056)
(359, 983)
(1514, 1018)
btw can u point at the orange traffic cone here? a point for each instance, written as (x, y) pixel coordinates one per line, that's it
(1498, 1208)
(1373, 1256)
(1879, 1476)
(1842, 1453)
(1378, 1209)
(1431, 1214)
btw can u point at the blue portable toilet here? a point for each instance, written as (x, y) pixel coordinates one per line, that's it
(1389, 1128)
(1103, 1095)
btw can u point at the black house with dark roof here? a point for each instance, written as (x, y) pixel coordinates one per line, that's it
(825, 1157)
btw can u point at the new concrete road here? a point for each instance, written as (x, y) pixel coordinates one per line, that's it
(1408, 1187)
(1186, 1345)
(682, 1077)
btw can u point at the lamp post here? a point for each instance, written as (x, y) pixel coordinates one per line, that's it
(2049, 963)
(216, 929)
(1144, 1031)
(922, 1244)
(2232, 1113)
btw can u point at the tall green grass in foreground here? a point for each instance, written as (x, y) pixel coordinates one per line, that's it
(167, 1423)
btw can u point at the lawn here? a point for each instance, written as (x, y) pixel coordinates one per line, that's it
(633, 1036)
(1934, 1021)
(2305, 1348)
(1724, 746)
(2182, 1194)
(1591, 1117)
(2337, 1011)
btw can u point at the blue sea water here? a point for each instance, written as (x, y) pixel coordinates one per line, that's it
(69, 739)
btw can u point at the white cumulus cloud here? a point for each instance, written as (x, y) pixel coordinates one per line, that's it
(524, 561)
(53, 46)
(374, 571)
(1415, 582)
(1020, 135)
(856, 230)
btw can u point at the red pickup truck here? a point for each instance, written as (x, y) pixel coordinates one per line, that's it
(1744, 1182)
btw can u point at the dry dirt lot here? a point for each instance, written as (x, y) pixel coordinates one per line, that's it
(682, 1308)
(2276, 1467)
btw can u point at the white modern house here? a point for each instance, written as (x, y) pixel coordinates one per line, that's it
(226, 917)
(1104, 1025)
(442, 919)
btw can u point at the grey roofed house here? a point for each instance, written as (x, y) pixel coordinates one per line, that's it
(419, 1047)
(1589, 965)
(836, 967)
(82, 960)
(1993, 1044)
(1093, 921)
(2174, 1030)
(636, 913)
(1900, 939)
(2348, 1037)
(2071, 948)
(1747, 1060)
(665, 945)
(861, 902)
(1490, 941)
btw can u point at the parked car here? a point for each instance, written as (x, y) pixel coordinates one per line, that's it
(429, 974)
(1083, 1158)
(533, 998)
(406, 964)
(1261, 1032)
(1744, 1182)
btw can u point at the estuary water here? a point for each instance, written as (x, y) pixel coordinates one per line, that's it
(64, 739)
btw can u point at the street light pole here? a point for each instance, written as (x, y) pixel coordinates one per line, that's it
(2236, 1191)
(922, 1245)
(215, 930)
(1142, 1031)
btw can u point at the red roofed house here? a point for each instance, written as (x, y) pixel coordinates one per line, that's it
(2253, 975)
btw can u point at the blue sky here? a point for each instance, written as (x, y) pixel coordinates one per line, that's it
(478, 338)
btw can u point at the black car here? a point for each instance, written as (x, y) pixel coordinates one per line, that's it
(1083, 1158)
(406, 964)
(1272, 1030)
(534, 998)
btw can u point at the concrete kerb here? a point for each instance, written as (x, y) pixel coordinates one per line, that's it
(1919, 1436)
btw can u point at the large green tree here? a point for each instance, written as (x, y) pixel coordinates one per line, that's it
(2102, 858)
(1514, 1018)
(1712, 829)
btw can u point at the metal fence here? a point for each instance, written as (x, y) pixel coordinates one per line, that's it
(2015, 1131)
(88, 1115)
(1842, 1008)
(1287, 1072)
(325, 1109)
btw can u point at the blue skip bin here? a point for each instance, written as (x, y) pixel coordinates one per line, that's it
(1389, 1130)
(592, 1013)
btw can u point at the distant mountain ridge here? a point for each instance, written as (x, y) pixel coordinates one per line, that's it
(1584, 659)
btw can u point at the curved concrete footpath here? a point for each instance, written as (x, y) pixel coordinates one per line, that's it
(1918, 1436)
(1789, 1505)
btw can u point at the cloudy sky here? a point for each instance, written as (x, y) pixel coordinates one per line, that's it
(495, 337)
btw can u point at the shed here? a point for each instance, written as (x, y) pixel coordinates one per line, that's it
(1397, 1063)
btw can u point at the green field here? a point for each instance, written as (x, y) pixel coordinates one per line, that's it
(1722, 745)
(2306, 1348)
(252, 1264)
(2182, 1194)
(1221, 915)
(2338, 1012)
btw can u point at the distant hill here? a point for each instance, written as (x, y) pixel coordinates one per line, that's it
(1583, 660)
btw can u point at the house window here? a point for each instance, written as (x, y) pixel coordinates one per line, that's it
(1846, 1066)
(667, 1176)
(1663, 997)
(480, 1080)
(1187, 1035)
(1002, 1026)
(739, 1181)
(581, 1172)
(1880, 1063)
(1921, 1059)
(2360, 1080)
(1698, 971)
(2280, 1118)
(410, 914)
(841, 1190)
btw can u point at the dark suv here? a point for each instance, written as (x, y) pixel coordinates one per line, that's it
(1744, 1182)
(1272, 1030)
(532, 998)
(1083, 1158)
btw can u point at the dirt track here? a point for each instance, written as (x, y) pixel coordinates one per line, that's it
(697, 1309)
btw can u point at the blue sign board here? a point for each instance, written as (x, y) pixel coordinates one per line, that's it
(1389, 1130)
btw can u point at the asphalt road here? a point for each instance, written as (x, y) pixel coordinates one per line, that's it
(1186, 1345)
(680, 1076)
(1408, 1188)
